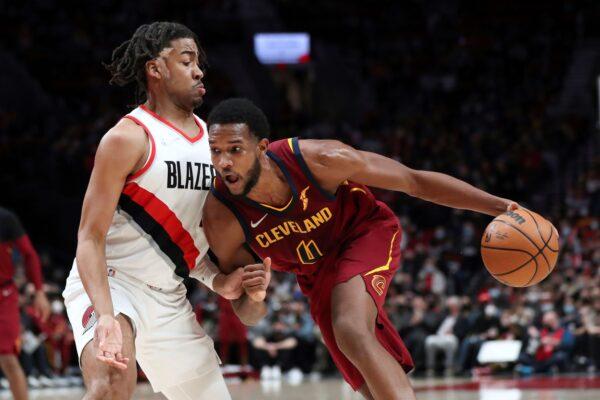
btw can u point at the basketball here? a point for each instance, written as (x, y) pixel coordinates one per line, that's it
(520, 248)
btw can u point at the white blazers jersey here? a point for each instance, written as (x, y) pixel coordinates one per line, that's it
(155, 235)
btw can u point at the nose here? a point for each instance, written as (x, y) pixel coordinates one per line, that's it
(224, 162)
(198, 73)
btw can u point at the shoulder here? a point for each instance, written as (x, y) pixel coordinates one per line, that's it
(221, 226)
(216, 214)
(126, 143)
(125, 133)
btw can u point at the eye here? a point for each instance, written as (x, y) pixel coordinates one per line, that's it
(187, 63)
(215, 151)
(236, 149)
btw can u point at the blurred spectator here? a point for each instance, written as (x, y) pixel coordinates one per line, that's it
(418, 322)
(231, 332)
(485, 327)
(273, 347)
(546, 349)
(445, 338)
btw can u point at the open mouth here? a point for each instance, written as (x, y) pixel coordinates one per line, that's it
(232, 179)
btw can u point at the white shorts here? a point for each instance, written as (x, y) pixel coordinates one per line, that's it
(171, 347)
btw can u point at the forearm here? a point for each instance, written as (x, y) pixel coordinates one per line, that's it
(448, 191)
(286, 344)
(33, 267)
(250, 312)
(91, 265)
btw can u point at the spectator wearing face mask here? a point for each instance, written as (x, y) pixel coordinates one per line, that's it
(485, 327)
(547, 349)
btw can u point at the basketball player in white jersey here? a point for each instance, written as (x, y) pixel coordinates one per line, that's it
(140, 232)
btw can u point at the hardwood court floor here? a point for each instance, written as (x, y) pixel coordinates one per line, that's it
(545, 388)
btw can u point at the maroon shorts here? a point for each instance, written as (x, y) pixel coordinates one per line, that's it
(10, 321)
(375, 256)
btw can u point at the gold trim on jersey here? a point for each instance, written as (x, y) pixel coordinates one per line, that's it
(357, 190)
(277, 208)
(389, 261)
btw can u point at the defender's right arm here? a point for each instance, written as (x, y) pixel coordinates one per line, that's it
(226, 240)
(122, 151)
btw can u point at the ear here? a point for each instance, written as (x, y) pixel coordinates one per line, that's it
(263, 144)
(153, 68)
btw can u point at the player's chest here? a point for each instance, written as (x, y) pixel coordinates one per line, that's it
(177, 165)
(301, 237)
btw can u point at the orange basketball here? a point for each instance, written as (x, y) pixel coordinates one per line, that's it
(520, 248)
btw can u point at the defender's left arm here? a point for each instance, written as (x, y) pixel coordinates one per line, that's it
(333, 162)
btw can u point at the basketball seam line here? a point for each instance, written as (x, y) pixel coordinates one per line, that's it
(551, 233)
(522, 233)
(532, 257)
(537, 227)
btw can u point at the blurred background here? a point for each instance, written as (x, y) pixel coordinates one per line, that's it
(502, 94)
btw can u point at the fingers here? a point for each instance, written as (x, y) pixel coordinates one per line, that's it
(258, 282)
(254, 267)
(267, 263)
(512, 206)
(254, 274)
(111, 361)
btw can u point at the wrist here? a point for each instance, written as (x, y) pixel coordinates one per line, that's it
(206, 273)
(218, 283)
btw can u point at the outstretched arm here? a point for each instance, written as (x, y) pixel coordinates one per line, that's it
(226, 240)
(333, 162)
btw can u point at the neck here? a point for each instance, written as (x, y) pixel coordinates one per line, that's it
(167, 109)
(272, 188)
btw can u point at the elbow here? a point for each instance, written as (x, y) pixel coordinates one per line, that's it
(86, 236)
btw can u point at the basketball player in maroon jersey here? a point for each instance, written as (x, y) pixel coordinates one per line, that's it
(304, 206)
(13, 236)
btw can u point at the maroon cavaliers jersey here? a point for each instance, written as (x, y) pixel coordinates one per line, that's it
(305, 236)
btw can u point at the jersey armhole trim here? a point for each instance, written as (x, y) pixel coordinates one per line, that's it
(306, 170)
(231, 208)
(152, 153)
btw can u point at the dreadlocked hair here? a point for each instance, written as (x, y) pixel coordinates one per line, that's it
(128, 61)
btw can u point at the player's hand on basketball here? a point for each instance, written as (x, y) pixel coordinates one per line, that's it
(41, 305)
(229, 285)
(108, 341)
(512, 206)
(256, 278)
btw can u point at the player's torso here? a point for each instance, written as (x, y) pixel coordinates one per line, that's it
(155, 235)
(314, 227)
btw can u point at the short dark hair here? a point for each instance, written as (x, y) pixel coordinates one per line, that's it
(129, 59)
(240, 111)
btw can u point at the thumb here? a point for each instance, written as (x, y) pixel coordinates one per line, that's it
(267, 264)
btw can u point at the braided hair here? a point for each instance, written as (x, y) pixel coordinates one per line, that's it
(128, 61)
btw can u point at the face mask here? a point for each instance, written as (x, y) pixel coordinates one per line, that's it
(547, 307)
(569, 309)
(490, 310)
(57, 307)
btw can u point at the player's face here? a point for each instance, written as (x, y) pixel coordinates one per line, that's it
(180, 73)
(235, 154)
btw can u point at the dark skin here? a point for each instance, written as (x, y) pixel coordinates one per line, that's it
(235, 151)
